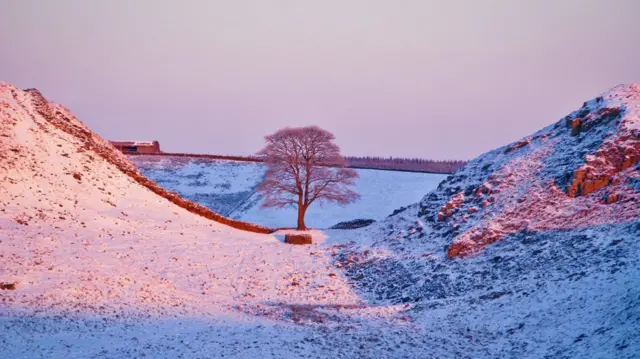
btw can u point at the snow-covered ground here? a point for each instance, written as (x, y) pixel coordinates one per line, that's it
(104, 268)
(530, 250)
(227, 187)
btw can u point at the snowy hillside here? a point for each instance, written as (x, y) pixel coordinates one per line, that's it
(530, 251)
(223, 186)
(227, 187)
(101, 266)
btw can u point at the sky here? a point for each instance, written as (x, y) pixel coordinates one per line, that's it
(431, 79)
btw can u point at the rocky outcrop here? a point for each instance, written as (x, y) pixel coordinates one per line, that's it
(527, 233)
(449, 208)
(605, 166)
(578, 173)
(517, 145)
(587, 120)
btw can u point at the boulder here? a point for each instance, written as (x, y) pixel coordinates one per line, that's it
(449, 208)
(575, 126)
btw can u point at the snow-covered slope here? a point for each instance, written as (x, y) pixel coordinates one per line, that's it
(228, 187)
(97, 257)
(74, 226)
(531, 249)
(223, 186)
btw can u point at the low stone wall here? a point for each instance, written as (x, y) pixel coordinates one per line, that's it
(299, 239)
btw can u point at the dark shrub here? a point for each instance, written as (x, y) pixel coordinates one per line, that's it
(356, 223)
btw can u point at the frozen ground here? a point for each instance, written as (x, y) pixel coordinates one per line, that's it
(227, 187)
(100, 263)
(104, 268)
(531, 249)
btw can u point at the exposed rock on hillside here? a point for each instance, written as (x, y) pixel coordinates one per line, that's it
(537, 239)
(577, 173)
(531, 250)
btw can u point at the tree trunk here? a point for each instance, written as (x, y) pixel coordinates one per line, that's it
(301, 212)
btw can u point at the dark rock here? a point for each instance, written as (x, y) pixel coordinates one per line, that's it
(616, 242)
(580, 338)
(493, 295)
(356, 223)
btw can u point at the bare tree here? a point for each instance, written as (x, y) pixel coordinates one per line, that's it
(304, 166)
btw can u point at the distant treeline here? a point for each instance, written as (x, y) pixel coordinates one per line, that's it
(405, 164)
(378, 163)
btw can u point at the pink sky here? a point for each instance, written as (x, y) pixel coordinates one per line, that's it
(434, 79)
